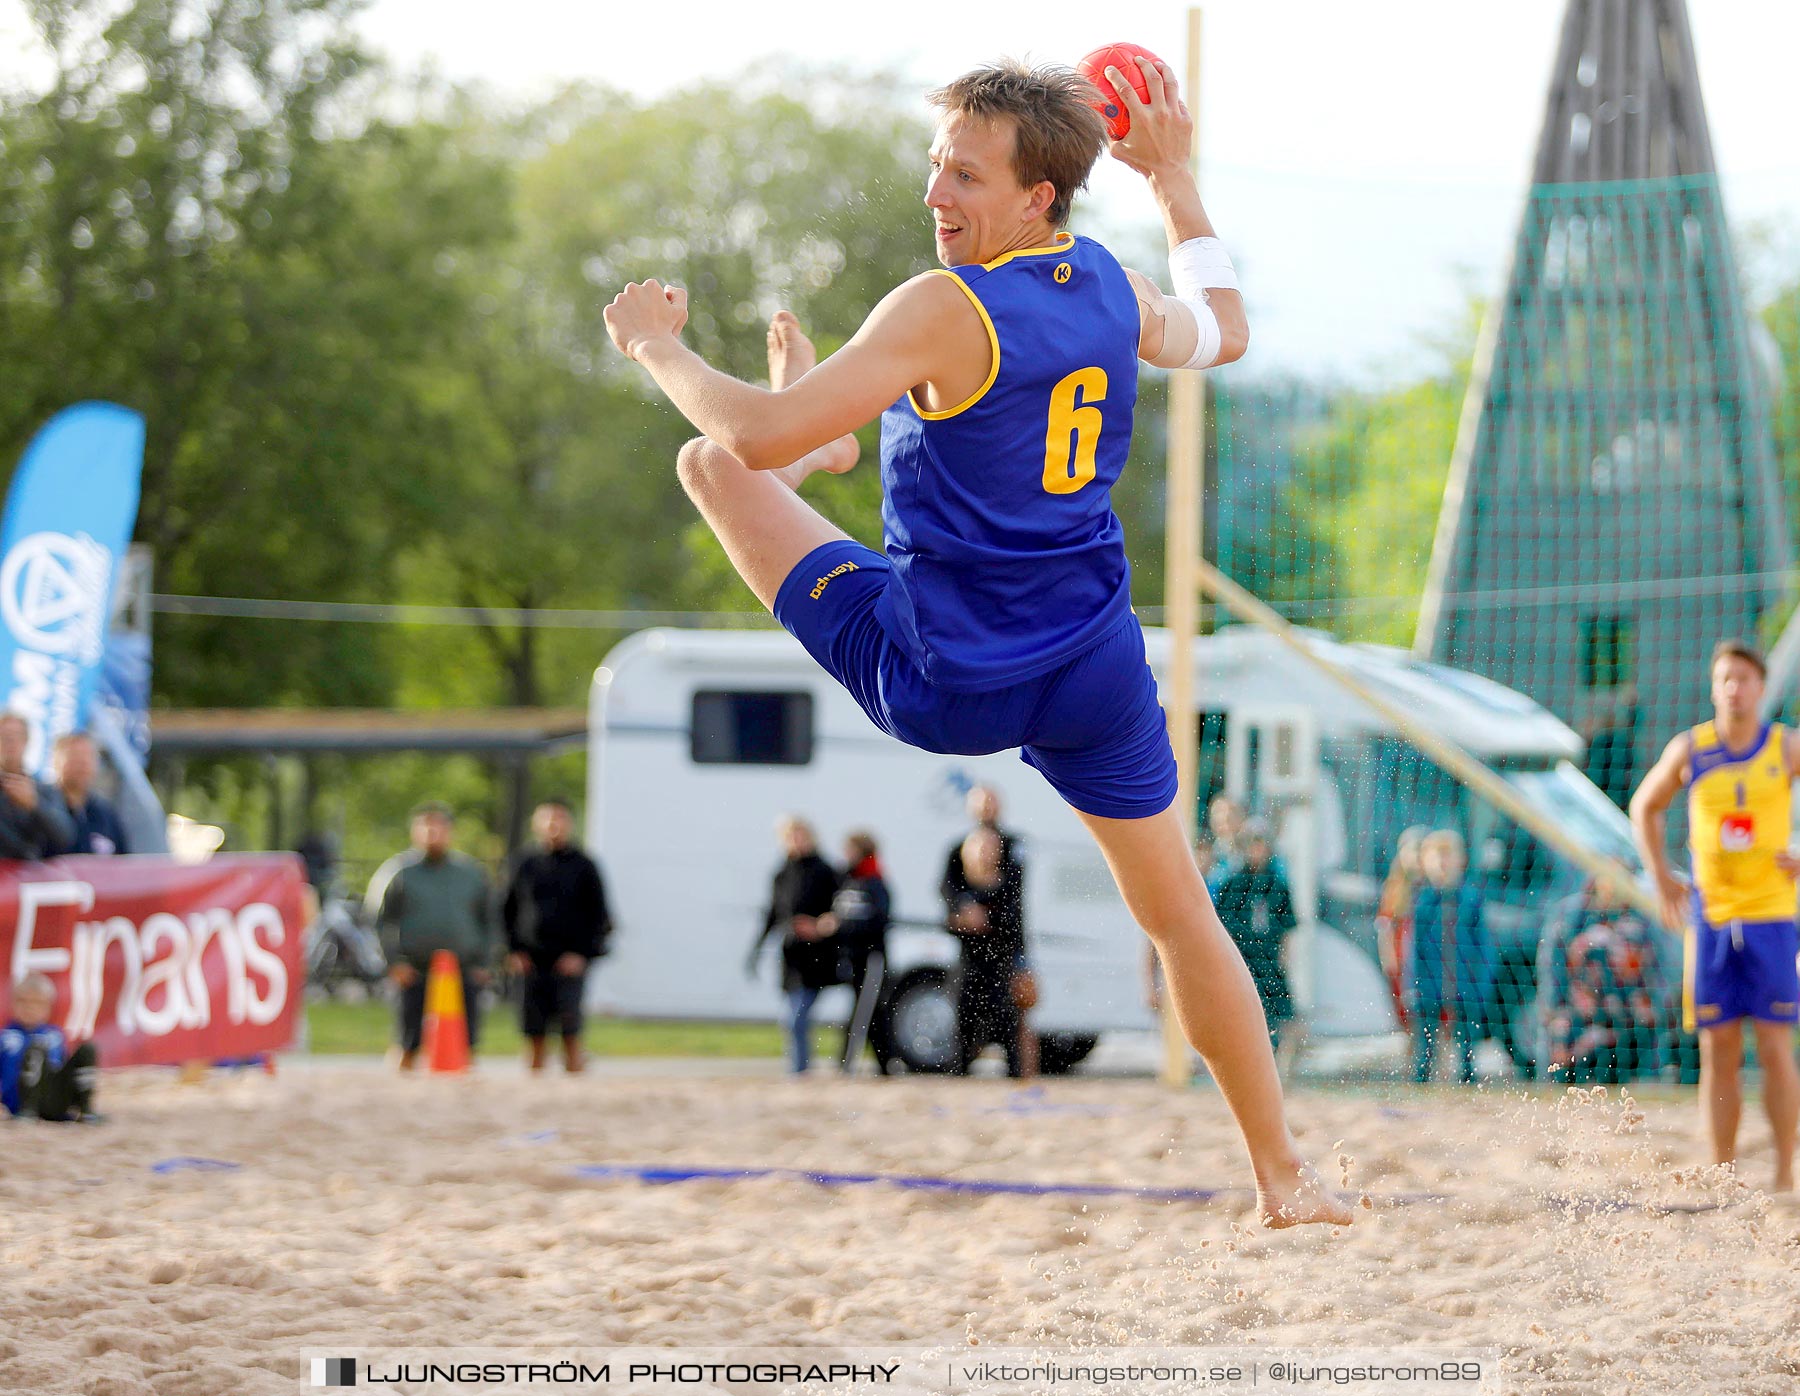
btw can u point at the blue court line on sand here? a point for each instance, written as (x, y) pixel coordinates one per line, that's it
(983, 1187)
(196, 1165)
(919, 1182)
(1025, 1109)
(990, 1187)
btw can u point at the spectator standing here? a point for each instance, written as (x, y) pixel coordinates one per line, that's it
(1394, 915)
(1451, 966)
(1258, 911)
(984, 813)
(75, 762)
(987, 915)
(39, 1077)
(33, 822)
(557, 925)
(427, 899)
(801, 893)
(1224, 821)
(858, 920)
(1602, 989)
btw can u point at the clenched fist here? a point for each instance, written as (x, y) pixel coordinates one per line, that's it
(643, 311)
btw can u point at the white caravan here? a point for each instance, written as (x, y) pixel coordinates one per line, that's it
(700, 740)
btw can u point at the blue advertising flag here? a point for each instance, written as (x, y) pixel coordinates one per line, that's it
(69, 518)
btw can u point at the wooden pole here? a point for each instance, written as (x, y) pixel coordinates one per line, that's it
(1181, 596)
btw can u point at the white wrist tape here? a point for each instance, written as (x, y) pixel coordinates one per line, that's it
(1195, 266)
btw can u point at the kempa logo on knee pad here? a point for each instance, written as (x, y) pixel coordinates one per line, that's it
(825, 581)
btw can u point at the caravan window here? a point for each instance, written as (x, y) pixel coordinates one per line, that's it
(753, 729)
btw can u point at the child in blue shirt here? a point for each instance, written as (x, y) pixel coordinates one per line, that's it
(1451, 969)
(39, 1077)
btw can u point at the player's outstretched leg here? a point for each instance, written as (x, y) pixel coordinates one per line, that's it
(766, 528)
(1216, 1003)
(791, 357)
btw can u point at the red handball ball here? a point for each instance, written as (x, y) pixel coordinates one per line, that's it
(1093, 67)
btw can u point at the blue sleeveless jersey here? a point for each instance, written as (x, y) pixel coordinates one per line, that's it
(997, 513)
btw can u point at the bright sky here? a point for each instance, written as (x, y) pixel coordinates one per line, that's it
(1365, 163)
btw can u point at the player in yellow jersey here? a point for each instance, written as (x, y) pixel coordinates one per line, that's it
(1739, 914)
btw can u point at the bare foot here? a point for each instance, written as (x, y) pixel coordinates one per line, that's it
(1784, 1179)
(1297, 1198)
(792, 357)
(791, 353)
(834, 458)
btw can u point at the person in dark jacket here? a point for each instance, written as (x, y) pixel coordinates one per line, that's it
(802, 892)
(76, 762)
(988, 916)
(984, 813)
(427, 899)
(1450, 969)
(556, 926)
(33, 821)
(858, 920)
(1258, 912)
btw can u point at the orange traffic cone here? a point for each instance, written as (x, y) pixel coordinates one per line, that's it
(446, 1040)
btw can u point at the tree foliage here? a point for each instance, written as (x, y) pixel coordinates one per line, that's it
(1371, 482)
(185, 232)
(561, 488)
(361, 319)
(362, 322)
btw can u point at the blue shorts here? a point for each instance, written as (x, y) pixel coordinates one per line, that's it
(1092, 725)
(1743, 969)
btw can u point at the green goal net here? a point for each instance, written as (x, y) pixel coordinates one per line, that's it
(1535, 548)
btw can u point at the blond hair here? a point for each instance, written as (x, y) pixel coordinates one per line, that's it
(1057, 133)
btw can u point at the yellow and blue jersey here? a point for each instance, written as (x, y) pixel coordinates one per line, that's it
(1006, 556)
(1000, 614)
(1740, 815)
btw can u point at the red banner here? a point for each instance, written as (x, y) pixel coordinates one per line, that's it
(158, 961)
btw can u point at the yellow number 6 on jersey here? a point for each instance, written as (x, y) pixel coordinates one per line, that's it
(1068, 465)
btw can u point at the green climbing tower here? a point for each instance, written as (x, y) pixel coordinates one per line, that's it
(1613, 506)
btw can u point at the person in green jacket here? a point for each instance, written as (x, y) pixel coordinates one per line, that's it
(1258, 911)
(427, 899)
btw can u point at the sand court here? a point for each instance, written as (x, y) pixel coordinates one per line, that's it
(340, 1207)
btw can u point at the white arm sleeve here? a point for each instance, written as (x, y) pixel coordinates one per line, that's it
(1195, 266)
